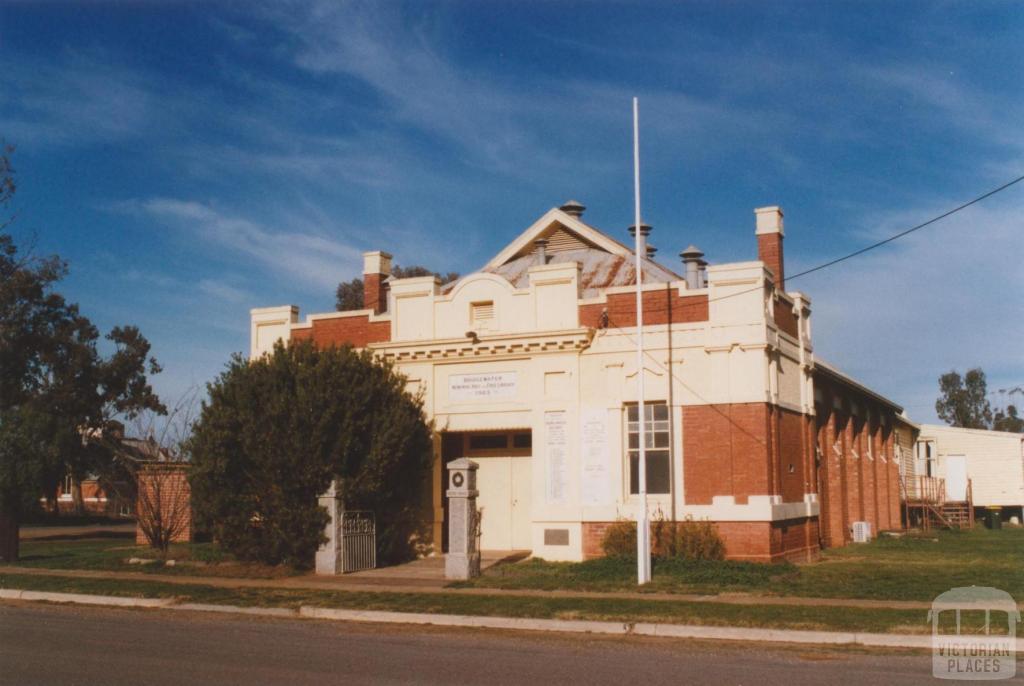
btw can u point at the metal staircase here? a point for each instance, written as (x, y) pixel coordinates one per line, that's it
(929, 508)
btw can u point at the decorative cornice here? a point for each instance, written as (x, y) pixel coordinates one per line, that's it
(487, 346)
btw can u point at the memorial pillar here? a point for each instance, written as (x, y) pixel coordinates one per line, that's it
(463, 558)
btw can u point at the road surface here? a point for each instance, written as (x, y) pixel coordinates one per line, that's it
(50, 644)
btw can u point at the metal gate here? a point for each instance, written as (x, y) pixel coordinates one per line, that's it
(358, 541)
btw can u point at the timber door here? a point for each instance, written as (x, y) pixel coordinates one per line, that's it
(956, 478)
(504, 480)
(522, 489)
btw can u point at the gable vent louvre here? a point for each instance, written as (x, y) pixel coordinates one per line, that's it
(482, 314)
(563, 241)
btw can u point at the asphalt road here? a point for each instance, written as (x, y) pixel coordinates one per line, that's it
(49, 644)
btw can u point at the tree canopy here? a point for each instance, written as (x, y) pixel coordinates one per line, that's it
(57, 390)
(277, 430)
(349, 295)
(963, 402)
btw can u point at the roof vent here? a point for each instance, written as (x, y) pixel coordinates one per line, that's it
(651, 250)
(693, 262)
(573, 207)
(541, 250)
(645, 231)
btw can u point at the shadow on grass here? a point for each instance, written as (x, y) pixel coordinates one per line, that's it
(86, 535)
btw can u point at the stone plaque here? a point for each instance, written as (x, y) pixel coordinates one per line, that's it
(556, 537)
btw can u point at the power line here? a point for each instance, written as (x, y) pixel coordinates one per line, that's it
(911, 230)
(890, 239)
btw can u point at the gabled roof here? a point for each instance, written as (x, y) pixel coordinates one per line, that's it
(822, 367)
(604, 261)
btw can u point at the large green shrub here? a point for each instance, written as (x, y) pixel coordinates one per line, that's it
(278, 429)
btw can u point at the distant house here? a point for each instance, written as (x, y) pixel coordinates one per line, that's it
(111, 501)
(985, 467)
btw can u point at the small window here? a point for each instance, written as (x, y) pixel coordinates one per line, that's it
(523, 440)
(66, 487)
(657, 430)
(481, 314)
(488, 441)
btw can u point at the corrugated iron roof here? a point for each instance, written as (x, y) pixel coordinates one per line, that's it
(598, 269)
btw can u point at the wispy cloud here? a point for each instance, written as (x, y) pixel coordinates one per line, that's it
(223, 291)
(940, 299)
(75, 98)
(309, 256)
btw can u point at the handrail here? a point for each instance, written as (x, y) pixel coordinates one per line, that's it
(932, 490)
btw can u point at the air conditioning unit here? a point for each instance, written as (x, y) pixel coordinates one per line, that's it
(861, 532)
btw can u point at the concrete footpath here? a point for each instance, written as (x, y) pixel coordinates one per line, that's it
(743, 634)
(352, 583)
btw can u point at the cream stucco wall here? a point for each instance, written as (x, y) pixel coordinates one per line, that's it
(535, 338)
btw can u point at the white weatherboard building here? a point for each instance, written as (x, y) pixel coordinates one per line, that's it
(991, 461)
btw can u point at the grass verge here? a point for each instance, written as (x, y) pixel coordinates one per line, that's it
(111, 553)
(912, 567)
(610, 609)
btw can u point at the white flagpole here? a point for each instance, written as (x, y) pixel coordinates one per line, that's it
(643, 532)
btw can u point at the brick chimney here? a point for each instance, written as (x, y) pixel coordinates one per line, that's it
(769, 242)
(376, 268)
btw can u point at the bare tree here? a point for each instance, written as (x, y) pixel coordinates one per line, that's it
(151, 470)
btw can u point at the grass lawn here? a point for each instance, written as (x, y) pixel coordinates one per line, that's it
(913, 567)
(610, 609)
(112, 552)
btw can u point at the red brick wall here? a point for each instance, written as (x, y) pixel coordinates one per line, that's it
(832, 478)
(855, 468)
(785, 319)
(593, 534)
(769, 251)
(165, 486)
(375, 295)
(726, 451)
(356, 330)
(94, 499)
(792, 460)
(855, 488)
(660, 307)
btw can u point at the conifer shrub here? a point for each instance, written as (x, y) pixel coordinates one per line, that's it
(687, 539)
(619, 540)
(277, 430)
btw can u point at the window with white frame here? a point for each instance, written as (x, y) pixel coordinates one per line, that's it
(66, 487)
(657, 432)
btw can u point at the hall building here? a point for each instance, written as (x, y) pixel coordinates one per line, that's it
(528, 366)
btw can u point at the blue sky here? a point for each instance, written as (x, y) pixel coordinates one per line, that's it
(194, 160)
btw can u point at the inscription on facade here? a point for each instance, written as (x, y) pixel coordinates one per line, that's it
(470, 387)
(556, 442)
(595, 481)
